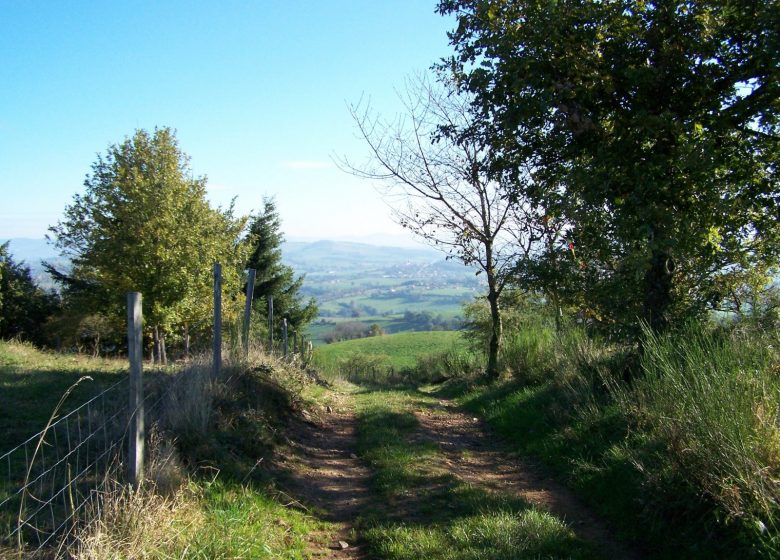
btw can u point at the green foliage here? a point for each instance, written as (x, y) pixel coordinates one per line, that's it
(24, 308)
(144, 224)
(684, 458)
(520, 311)
(651, 129)
(274, 278)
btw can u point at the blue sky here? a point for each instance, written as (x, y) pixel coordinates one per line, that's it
(257, 92)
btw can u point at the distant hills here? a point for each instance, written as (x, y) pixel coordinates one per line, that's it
(31, 251)
(323, 256)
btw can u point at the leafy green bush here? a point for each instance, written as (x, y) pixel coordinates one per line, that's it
(453, 363)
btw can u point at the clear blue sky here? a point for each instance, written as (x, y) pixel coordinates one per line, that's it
(257, 92)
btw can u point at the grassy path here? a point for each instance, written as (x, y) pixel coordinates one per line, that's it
(403, 475)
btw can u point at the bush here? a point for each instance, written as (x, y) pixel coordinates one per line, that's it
(361, 368)
(450, 364)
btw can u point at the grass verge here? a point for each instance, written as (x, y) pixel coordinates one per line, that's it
(431, 514)
(206, 494)
(683, 461)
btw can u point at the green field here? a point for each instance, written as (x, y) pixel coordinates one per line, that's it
(398, 351)
(33, 381)
(446, 301)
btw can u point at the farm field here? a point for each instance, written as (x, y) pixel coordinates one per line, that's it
(381, 285)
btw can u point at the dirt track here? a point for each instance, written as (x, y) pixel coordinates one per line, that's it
(329, 477)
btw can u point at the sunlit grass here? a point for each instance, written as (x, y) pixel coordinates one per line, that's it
(429, 513)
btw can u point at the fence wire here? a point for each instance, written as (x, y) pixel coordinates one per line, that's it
(49, 478)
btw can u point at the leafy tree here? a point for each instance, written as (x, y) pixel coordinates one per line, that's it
(273, 278)
(651, 126)
(144, 224)
(24, 307)
(437, 164)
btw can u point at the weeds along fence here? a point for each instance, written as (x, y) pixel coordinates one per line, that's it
(55, 481)
(51, 481)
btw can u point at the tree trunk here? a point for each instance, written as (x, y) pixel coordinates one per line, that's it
(496, 331)
(156, 345)
(658, 290)
(163, 353)
(186, 343)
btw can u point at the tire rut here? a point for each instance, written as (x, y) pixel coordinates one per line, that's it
(471, 453)
(324, 474)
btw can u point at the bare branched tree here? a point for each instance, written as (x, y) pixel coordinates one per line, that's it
(435, 169)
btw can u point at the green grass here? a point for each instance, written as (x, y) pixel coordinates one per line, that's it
(248, 521)
(430, 513)
(679, 461)
(398, 351)
(32, 382)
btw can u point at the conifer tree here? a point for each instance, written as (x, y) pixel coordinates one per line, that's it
(24, 307)
(273, 277)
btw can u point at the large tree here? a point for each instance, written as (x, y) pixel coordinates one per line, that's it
(144, 224)
(273, 277)
(436, 165)
(659, 118)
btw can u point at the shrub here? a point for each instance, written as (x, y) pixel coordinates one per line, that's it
(449, 364)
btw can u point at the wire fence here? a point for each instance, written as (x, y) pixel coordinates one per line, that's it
(55, 481)
(48, 479)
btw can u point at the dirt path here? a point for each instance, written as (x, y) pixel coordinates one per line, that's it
(474, 455)
(327, 476)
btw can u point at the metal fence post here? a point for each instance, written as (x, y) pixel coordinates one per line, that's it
(250, 290)
(217, 350)
(135, 353)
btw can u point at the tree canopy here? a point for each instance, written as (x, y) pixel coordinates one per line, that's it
(24, 307)
(144, 224)
(652, 127)
(435, 163)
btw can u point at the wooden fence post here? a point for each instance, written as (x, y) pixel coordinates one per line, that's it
(250, 291)
(270, 324)
(217, 349)
(284, 336)
(135, 354)
(295, 342)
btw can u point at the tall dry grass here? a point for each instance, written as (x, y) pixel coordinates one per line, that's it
(165, 517)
